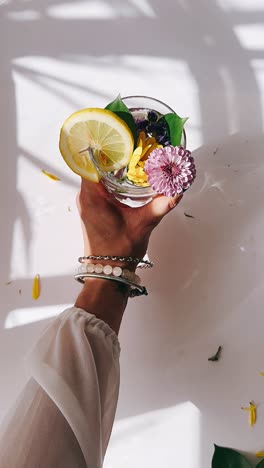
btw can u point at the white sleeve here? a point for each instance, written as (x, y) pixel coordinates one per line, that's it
(64, 416)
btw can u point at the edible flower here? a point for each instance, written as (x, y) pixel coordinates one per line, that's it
(136, 173)
(170, 170)
(252, 409)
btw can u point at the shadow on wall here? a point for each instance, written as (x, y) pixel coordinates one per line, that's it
(198, 258)
(225, 86)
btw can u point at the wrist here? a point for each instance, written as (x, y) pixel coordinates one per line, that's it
(125, 263)
(106, 300)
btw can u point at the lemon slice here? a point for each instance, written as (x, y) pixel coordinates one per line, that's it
(109, 137)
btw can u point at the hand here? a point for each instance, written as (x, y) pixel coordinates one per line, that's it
(111, 228)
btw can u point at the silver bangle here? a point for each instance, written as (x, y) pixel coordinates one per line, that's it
(135, 289)
(115, 258)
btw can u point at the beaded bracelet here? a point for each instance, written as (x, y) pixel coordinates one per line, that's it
(142, 263)
(134, 288)
(109, 271)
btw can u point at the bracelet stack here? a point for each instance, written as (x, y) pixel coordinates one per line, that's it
(113, 273)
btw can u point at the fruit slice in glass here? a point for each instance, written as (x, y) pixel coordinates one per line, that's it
(146, 112)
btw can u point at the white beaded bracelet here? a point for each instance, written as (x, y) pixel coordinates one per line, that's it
(109, 271)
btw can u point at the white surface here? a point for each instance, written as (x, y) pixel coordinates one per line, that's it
(206, 60)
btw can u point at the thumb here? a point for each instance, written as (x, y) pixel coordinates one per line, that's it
(160, 206)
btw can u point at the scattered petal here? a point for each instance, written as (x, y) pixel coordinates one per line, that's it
(8, 283)
(49, 175)
(20, 292)
(215, 150)
(216, 356)
(260, 454)
(261, 373)
(36, 287)
(69, 208)
(188, 215)
(252, 409)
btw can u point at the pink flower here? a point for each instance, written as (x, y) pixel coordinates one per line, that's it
(170, 170)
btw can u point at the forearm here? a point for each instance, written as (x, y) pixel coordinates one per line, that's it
(105, 299)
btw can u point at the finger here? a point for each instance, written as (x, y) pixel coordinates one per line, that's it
(94, 191)
(160, 206)
(90, 187)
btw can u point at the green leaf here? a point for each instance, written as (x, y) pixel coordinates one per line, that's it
(175, 125)
(117, 105)
(228, 458)
(260, 464)
(121, 110)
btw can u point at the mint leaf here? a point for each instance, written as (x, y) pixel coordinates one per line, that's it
(175, 126)
(121, 110)
(228, 458)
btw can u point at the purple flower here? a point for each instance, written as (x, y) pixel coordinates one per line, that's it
(170, 170)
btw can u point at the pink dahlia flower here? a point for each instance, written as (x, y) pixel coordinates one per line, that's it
(170, 170)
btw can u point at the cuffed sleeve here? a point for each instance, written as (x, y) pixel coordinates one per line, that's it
(68, 405)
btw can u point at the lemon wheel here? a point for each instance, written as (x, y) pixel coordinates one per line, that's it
(109, 137)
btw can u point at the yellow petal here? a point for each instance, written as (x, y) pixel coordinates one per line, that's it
(153, 147)
(261, 373)
(49, 175)
(140, 143)
(142, 137)
(260, 454)
(145, 150)
(36, 287)
(135, 157)
(151, 141)
(252, 413)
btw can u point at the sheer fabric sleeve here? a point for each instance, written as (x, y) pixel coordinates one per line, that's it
(63, 418)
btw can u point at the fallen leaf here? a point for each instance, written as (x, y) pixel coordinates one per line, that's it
(216, 356)
(188, 215)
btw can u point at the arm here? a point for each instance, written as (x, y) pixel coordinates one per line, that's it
(95, 297)
(63, 418)
(110, 228)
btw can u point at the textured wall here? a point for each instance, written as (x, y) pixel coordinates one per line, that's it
(205, 59)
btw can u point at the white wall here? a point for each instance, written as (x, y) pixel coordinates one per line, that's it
(205, 59)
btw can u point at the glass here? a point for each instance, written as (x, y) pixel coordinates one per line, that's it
(123, 190)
